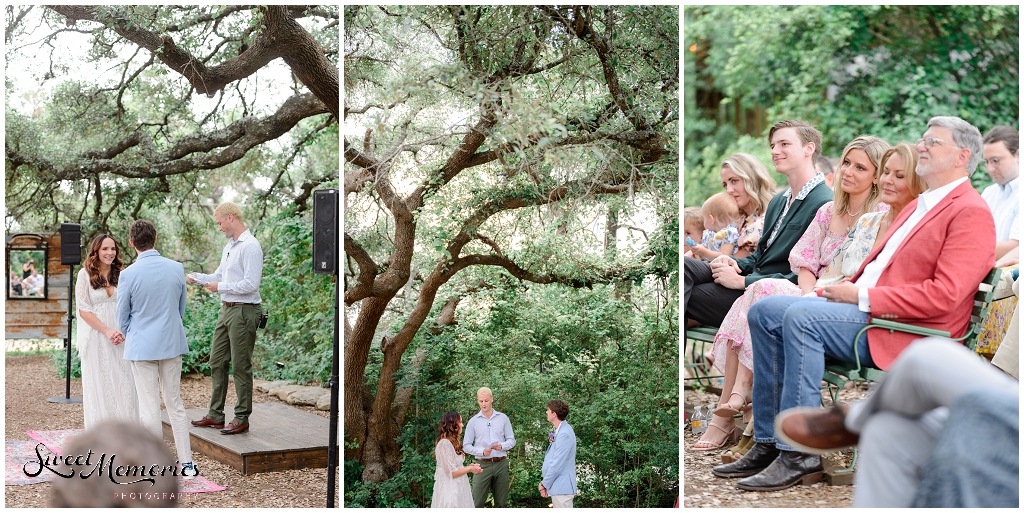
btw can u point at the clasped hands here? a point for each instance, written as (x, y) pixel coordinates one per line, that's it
(475, 468)
(726, 273)
(115, 336)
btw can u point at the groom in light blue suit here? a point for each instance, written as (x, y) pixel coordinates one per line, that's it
(150, 311)
(558, 475)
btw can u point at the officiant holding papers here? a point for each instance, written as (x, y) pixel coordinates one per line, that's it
(237, 280)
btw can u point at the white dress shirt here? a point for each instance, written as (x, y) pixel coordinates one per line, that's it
(240, 270)
(1004, 202)
(925, 202)
(482, 432)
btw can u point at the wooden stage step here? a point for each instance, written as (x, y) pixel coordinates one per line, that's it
(280, 437)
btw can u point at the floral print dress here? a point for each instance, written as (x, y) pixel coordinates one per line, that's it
(830, 256)
(750, 232)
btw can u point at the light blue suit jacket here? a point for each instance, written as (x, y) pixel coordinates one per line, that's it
(150, 307)
(558, 475)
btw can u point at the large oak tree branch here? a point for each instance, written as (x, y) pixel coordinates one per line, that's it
(282, 37)
(196, 151)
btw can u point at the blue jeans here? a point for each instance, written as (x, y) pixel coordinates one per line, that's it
(791, 336)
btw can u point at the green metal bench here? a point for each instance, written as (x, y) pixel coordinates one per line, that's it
(838, 374)
(701, 372)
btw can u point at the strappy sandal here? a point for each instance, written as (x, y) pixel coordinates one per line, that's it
(726, 410)
(730, 437)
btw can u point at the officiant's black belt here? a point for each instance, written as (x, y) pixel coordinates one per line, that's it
(230, 304)
(490, 460)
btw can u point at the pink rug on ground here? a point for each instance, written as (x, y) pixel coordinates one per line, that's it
(16, 454)
(56, 440)
(198, 485)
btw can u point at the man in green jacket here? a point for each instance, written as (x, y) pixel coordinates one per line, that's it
(710, 290)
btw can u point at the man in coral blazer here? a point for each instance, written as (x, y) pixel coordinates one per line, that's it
(924, 272)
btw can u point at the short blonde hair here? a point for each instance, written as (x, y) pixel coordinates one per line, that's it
(229, 209)
(693, 215)
(484, 391)
(723, 207)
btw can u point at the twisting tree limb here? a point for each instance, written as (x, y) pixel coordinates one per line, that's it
(282, 37)
(197, 151)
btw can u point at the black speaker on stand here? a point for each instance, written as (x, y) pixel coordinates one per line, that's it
(70, 255)
(325, 261)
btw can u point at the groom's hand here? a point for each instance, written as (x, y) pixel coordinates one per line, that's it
(496, 446)
(487, 451)
(212, 286)
(543, 491)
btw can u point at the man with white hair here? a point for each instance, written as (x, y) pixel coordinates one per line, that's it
(237, 280)
(924, 272)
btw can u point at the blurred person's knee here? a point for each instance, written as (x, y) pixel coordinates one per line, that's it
(115, 464)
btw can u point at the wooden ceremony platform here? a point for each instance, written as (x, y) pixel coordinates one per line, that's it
(279, 438)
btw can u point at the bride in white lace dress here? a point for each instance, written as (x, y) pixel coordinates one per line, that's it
(108, 389)
(451, 483)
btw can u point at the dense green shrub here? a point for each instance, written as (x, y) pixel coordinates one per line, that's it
(58, 360)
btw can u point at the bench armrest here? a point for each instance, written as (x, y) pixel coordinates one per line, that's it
(908, 328)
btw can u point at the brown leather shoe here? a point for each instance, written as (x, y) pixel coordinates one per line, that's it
(233, 428)
(815, 430)
(207, 421)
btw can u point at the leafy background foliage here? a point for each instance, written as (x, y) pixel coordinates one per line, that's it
(850, 70)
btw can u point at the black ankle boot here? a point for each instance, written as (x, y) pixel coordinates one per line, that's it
(787, 470)
(757, 459)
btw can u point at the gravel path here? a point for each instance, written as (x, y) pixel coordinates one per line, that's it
(29, 381)
(703, 490)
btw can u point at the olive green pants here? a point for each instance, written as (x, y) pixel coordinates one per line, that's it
(233, 341)
(493, 479)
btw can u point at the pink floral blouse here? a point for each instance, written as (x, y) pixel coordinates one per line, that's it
(818, 246)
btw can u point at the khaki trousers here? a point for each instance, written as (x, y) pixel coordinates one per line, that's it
(151, 378)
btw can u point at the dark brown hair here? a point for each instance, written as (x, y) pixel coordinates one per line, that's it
(559, 407)
(142, 233)
(92, 264)
(1006, 135)
(450, 430)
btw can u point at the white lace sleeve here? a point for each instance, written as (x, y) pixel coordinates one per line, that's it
(446, 458)
(82, 287)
